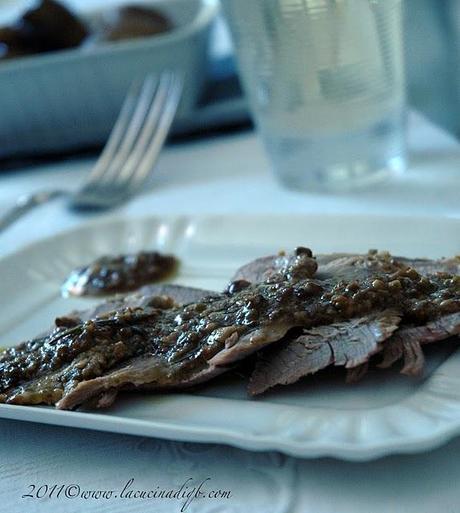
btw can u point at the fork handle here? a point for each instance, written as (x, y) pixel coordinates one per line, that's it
(26, 203)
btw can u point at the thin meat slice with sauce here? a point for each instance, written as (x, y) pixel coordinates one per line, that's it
(297, 357)
(406, 344)
(158, 344)
(346, 344)
(345, 265)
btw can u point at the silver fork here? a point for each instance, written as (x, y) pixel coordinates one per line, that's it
(129, 155)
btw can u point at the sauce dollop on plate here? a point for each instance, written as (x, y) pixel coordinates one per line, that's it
(122, 273)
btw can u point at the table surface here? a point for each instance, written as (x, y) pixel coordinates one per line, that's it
(228, 174)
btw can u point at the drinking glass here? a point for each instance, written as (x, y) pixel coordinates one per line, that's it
(325, 84)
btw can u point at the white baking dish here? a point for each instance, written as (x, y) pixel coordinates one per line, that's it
(70, 99)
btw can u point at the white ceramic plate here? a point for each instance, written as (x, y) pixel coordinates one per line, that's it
(386, 413)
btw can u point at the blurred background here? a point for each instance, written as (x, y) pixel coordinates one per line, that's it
(65, 97)
(431, 37)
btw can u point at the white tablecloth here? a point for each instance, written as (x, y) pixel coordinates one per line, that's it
(226, 175)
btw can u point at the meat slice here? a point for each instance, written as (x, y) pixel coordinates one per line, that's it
(159, 344)
(146, 296)
(425, 266)
(352, 269)
(180, 294)
(346, 344)
(158, 373)
(407, 343)
(347, 266)
(162, 345)
(264, 268)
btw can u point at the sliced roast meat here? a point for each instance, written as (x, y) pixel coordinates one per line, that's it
(351, 266)
(347, 266)
(346, 344)
(407, 343)
(259, 270)
(353, 269)
(159, 344)
(180, 294)
(165, 346)
(425, 266)
(264, 268)
(155, 372)
(337, 264)
(160, 296)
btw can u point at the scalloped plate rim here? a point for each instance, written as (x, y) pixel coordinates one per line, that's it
(278, 441)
